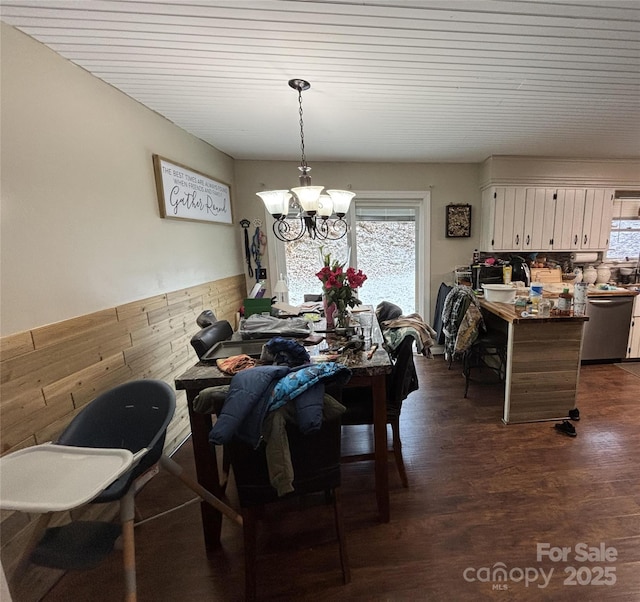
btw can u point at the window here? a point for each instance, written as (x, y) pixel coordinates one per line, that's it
(624, 241)
(386, 253)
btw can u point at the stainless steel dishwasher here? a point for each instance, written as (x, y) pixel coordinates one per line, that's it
(606, 333)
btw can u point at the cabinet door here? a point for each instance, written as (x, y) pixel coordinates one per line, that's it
(567, 226)
(539, 219)
(598, 208)
(487, 225)
(506, 216)
(503, 209)
(513, 210)
(605, 219)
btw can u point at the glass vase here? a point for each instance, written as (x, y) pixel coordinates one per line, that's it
(329, 312)
(341, 319)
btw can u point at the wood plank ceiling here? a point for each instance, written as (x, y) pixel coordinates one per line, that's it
(392, 80)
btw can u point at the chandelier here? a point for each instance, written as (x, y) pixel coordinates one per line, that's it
(319, 215)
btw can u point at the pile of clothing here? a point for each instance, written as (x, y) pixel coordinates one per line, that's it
(462, 321)
(258, 326)
(261, 400)
(396, 326)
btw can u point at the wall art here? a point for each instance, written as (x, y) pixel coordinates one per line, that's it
(184, 193)
(458, 221)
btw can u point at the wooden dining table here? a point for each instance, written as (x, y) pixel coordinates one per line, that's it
(366, 371)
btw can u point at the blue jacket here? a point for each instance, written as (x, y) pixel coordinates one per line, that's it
(256, 391)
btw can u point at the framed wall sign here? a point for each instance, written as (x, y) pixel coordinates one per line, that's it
(458, 221)
(185, 193)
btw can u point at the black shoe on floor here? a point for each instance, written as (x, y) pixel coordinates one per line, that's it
(574, 414)
(567, 428)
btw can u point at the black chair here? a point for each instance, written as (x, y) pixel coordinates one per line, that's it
(206, 338)
(359, 403)
(487, 353)
(316, 463)
(438, 325)
(385, 310)
(133, 416)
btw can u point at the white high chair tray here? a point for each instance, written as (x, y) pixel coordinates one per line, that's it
(51, 478)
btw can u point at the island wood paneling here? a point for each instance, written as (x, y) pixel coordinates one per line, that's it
(49, 373)
(545, 369)
(542, 376)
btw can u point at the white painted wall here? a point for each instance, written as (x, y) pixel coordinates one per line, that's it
(81, 229)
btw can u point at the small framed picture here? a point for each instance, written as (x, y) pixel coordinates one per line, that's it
(458, 221)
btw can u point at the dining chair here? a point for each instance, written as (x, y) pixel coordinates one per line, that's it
(359, 403)
(207, 337)
(315, 457)
(126, 425)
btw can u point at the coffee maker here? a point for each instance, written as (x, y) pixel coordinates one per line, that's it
(520, 271)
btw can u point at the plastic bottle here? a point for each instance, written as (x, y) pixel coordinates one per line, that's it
(535, 294)
(564, 302)
(506, 274)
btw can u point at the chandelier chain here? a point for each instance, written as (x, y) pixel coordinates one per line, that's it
(304, 158)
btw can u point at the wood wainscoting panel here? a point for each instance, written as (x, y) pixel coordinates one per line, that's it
(48, 374)
(16, 344)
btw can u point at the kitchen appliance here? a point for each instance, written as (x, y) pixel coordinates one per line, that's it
(520, 270)
(486, 274)
(606, 333)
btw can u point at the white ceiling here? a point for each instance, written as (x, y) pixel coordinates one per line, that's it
(391, 80)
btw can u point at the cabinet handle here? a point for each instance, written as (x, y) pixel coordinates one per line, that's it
(585, 240)
(528, 239)
(575, 240)
(517, 239)
(551, 241)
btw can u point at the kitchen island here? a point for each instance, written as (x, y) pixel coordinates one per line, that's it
(543, 362)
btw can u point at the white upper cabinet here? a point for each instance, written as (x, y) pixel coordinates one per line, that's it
(518, 218)
(539, 219)
(596, 225)
(503, 210)
(569, 215)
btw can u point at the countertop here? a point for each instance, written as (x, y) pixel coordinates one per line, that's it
(507, 312)
(553, 289)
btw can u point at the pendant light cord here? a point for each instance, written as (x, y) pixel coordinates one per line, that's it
(303, 162)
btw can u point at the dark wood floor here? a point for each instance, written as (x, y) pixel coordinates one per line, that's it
(481, 493)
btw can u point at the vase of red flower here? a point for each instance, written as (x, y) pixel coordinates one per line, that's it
(339, 289)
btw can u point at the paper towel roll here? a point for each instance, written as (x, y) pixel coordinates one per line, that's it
(584, 257)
